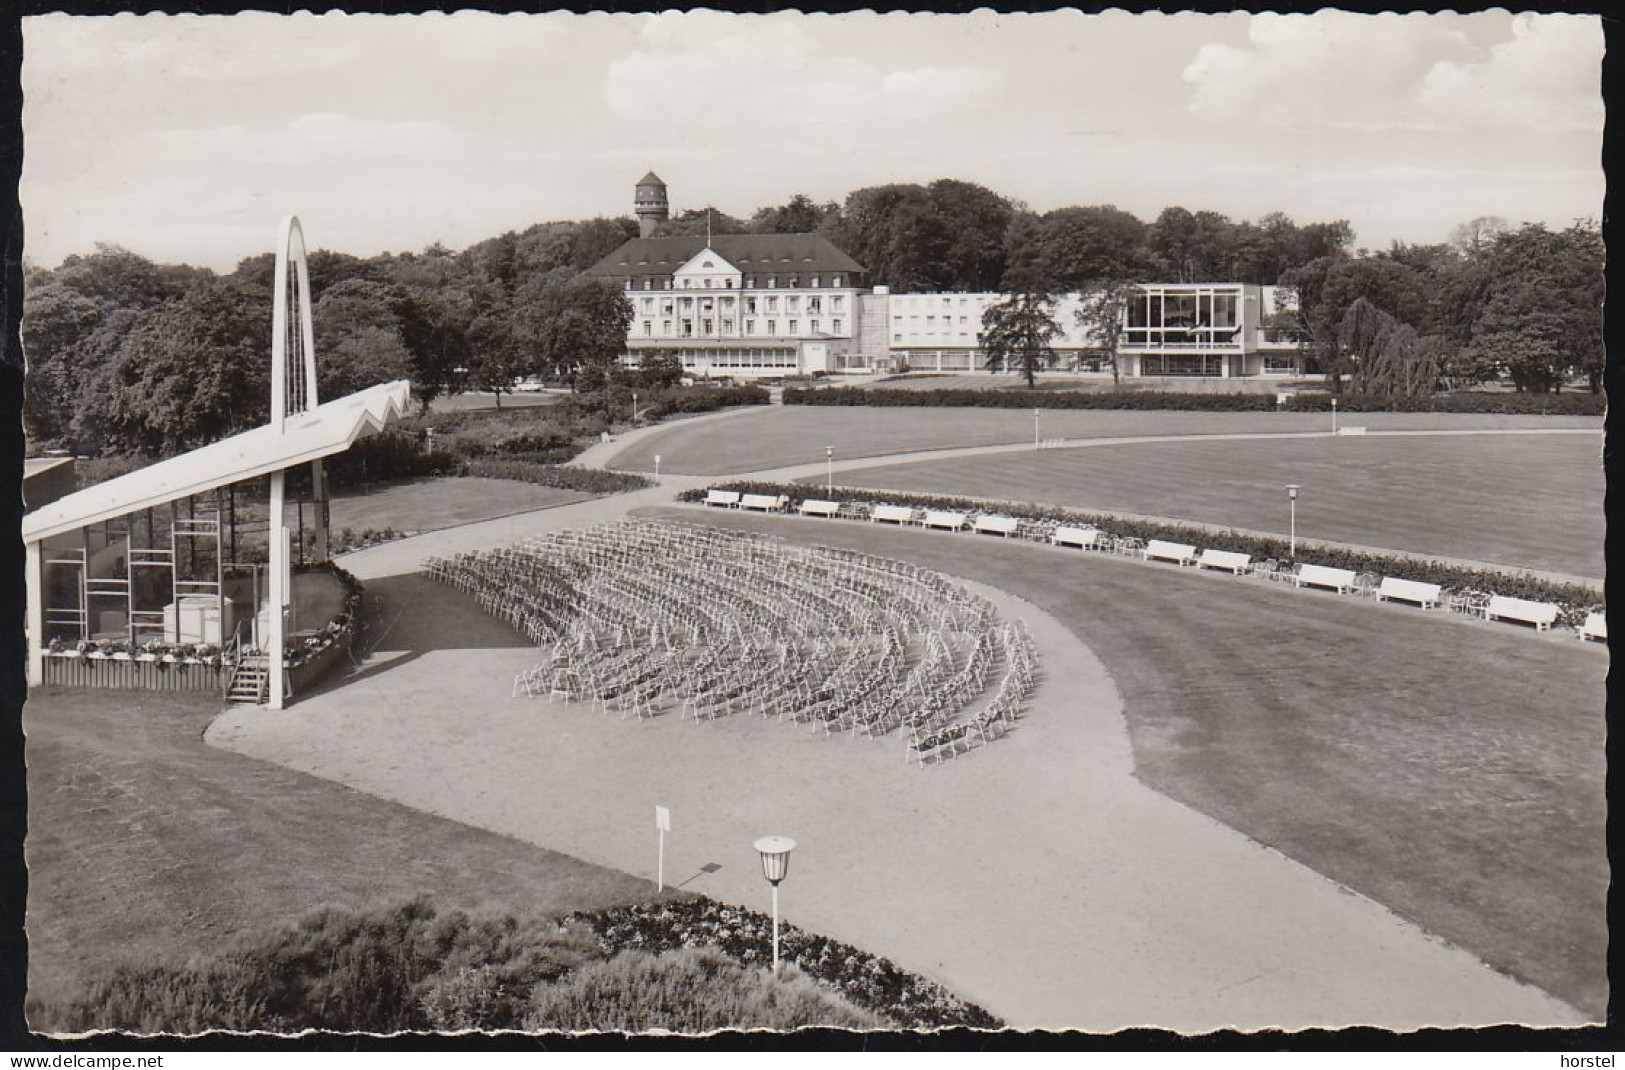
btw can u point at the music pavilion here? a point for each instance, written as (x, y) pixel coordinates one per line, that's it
(137, 582)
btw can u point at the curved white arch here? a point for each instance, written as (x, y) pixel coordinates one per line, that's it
(290, 245)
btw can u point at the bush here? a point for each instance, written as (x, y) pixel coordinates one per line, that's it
(691, 990)
(1574, 600)
(527, 470)
(868, 981)
(396, 453)
(1004, 398)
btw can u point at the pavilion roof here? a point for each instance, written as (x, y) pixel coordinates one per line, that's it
(330, 428)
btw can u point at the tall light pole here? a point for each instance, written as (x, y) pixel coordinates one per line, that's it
(657, 468)
(634, 406)
(1334, 416)
(1292, 499)
(829, 470)
(775, 852)
(1035, 429)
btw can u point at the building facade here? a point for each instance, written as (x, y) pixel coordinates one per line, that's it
(772, 305)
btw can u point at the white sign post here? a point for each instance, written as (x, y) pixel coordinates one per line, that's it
(663, 823)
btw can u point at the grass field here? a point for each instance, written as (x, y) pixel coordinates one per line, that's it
(468, 402)
(778, 437)
(1450, 770)
(144, 841)
(1531, 501)
(430, 504)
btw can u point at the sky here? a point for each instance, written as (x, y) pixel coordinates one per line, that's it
(185, 138)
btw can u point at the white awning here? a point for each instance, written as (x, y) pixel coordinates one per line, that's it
(325, 430)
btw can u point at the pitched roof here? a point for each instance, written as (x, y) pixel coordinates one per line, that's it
(651, 179)
(752, 253)
(325, 430)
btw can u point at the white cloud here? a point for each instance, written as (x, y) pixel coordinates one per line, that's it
(709, 67)
(1401, 72)
(1546, 76)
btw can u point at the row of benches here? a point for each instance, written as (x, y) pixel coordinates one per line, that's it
(1426, 595)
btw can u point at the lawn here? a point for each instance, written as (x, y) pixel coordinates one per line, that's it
(468, 402)
(1533, 501)
(430, 504)
(1449, 769)
(143, 841)
(781, 436)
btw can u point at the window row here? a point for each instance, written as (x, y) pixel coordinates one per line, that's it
(734, 282)
(705, 326)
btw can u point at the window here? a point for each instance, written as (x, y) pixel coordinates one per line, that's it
(750, 326)
(648, 328)
(792, 326)
(705, 326)
(688, 328)
(812, 325)
(648, 304)
(792, 303)
(815, 282)
(835, 326)
(648, 284)
(771, 282)
(772, 327)
(930, 321)
(815, 304)
(835, 302)
(628, 284)
(772, 304)
(727, 326)
(665, 326)
(835, 281)
(665, 308)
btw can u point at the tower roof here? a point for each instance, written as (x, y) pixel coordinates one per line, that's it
(651, 179)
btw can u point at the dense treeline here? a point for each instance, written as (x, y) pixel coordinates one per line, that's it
(129, 356)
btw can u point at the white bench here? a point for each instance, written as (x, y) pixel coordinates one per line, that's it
(1082, 538)
(892, 514)
(1426, 595)
(1595, 627)
(1225, 559)
(951, 521)
(818, 507)
(1541, 614)
(765, 502)
(1177, 552)
(728, 499)
(1350, 431)
(1340, 580)
(997, 525)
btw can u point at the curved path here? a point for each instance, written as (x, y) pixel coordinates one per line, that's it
(1038, 877)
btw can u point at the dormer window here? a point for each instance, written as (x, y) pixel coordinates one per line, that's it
(835, 281)
(815, 282)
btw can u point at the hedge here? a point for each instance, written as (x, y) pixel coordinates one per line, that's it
(995, 398)
(589, 480)
(1574, 600)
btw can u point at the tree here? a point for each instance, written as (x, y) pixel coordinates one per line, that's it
(1071, 247)
(1475, 236)
(1387, 356)
(1017, 332)
(1100, 314)
(573, 324)
(437, 308)
(182, 375)
(1328, 286)
(797, 216)
(659, 369)
(1538, 314)
(358, 338)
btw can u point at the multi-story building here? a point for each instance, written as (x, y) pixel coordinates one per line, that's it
(760, 305)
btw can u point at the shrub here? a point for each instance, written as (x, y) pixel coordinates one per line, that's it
(1574, 600)
(396, 453)
(1005, 398)
(691, 990)
(526, 470)
(875, 984)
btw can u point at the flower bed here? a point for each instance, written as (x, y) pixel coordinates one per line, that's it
(870, 982)
(1574, 601)
(999, 398)
(312, 655)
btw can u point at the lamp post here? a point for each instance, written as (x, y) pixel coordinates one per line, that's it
(634, 407)
(1334, 416)
(1292, 499)
(657, 468)
(775, 852)
(1035, 429)
(829, 469)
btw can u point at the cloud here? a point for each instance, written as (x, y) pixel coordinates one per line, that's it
(1401, 72)
(707, 67)
(317, 138)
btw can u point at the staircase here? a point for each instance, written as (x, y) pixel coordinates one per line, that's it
(251, 682)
